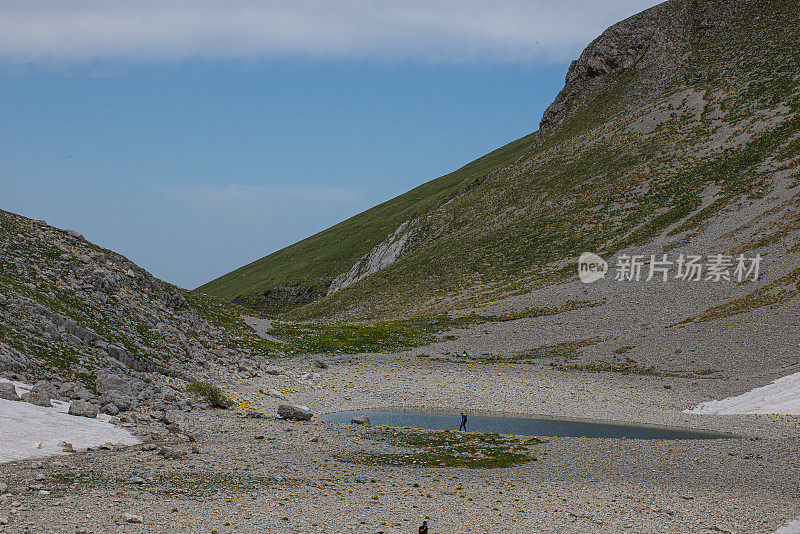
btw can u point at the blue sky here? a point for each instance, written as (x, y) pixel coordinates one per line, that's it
(195, 140)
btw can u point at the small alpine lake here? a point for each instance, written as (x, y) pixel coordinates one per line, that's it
(520, 425)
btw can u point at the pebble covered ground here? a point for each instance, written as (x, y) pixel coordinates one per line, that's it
(232, 471)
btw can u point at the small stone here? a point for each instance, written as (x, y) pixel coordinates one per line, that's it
(136, 480)
(320, 364)
(3, 520)
(128, 517)
(170, 454)
(314, 438)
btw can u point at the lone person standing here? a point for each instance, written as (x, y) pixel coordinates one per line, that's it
(463, 422)
(424, 528)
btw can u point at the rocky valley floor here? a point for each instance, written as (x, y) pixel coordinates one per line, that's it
(239, 470)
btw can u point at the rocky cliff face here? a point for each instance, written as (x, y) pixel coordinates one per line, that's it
(648, 35)
(71, 311)
(380, 257)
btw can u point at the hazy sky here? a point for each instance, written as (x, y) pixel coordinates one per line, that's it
(195, 137)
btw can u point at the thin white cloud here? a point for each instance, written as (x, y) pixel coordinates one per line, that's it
(431, 30)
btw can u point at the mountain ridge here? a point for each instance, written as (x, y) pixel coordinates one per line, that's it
(658, 110)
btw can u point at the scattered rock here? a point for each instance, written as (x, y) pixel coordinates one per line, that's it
(75, 235)
(314, 438)
(83, 409)
(176, 416)
(136, 480)
(320, 364)
(295, 411)
(171, 454)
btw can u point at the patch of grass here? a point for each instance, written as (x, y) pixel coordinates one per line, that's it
(227, 317)
(514, 220)
(632, 367)
(210, 393)
(434, 448)
(565, 351)
(350, 338)
(785, 287)
(313, 262)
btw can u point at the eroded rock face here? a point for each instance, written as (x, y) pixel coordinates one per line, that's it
(656, 36)
(380, 257)
(123, 300)
(295, 411)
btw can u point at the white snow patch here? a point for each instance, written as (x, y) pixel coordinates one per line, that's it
(30, 431)
(790, 528)
(780, 397)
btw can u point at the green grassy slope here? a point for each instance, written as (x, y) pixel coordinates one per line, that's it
(711, 103)
(313, 262)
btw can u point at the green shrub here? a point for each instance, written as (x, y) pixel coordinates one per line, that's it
(204, 390)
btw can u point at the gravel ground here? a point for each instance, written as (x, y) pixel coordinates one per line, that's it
(246, 474)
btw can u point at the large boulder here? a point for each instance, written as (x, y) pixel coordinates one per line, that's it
(108, 383)
(295, 411)
(120, 400)
(8, 391)
(83, 409)
(81, 393)
(45, 389)
(38, 398)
